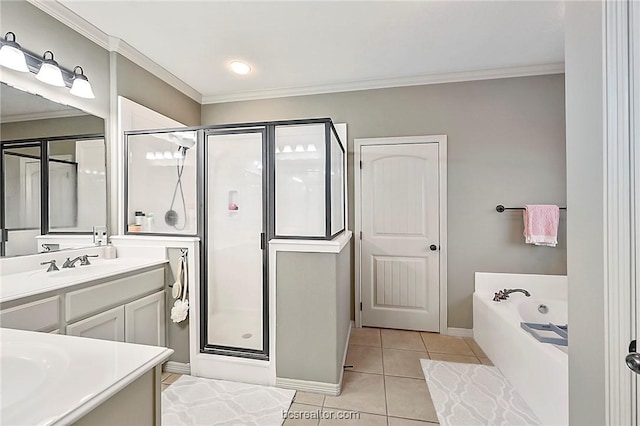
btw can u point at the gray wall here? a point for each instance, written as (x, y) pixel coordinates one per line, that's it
(141, 86)
(506, 146)
(81, 125)
(585, 182)
(312, 315)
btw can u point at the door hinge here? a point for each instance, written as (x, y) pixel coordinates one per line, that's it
(360, 305)
(263, 240)
(360, 164)
(360, 234)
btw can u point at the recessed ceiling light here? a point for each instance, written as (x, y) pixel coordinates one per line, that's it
(240, 67)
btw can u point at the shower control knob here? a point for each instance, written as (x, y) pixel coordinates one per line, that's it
(433, 247)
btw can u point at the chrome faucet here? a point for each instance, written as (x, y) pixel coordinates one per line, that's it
(504, 294)
(84, 260)
(52, 265)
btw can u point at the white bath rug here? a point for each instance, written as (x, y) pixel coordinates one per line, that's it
(468, 394)
(191, 401)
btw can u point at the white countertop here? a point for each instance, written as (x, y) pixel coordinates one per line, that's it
(30, 283)
(49, 379)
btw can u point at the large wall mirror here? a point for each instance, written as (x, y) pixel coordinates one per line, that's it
(52, 174)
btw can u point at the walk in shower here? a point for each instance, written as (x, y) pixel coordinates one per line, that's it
(237, 187)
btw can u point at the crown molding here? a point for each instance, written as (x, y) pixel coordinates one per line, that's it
(418, 80)
(112, 44)
(41, 116)
(135, 56)
(73, 21)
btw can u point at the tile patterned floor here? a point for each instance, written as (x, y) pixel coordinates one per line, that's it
(167, 379)
(386, 384)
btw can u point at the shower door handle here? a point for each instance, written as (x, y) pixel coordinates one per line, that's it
(263, 241)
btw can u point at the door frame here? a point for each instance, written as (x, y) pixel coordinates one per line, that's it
(622, 194)
(441, 140)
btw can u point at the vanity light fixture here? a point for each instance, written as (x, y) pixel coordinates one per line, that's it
(50, 72)
(239, 67)
(311, 148)
(299, 148)
(47, 70)
(11, 55)
(80, 86)
(287, 149)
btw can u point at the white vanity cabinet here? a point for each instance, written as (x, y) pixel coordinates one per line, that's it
(126, 309)
(137, 318)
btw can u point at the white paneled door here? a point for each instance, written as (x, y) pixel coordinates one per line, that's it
(400, 245)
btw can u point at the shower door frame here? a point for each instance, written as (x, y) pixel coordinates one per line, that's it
(205, 347)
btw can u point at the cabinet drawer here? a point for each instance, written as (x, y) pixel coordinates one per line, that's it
(103, 296)
(42, 315)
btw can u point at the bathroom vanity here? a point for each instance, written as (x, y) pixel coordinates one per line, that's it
(59, 380)
(116, 299)
(48, 378)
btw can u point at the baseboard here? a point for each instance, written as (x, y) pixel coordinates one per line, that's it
(332, 389)
(177, 367)
(459, 332)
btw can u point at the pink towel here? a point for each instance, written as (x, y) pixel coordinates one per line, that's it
(541, 224)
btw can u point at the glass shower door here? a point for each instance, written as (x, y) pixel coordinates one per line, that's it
(21, 198)
(235, 224)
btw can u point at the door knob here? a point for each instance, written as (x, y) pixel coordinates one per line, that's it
(633, 359)
(433, 247)
(633, 362)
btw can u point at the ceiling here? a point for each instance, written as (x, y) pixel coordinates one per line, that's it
(309, 46)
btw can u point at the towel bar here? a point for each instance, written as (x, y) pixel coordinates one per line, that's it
(500, 208)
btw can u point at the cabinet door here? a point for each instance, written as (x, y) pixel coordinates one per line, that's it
(144, 320)
(108, 325)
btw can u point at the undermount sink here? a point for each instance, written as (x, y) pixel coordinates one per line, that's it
(28, 368)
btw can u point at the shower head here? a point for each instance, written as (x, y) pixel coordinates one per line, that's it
(184, 140)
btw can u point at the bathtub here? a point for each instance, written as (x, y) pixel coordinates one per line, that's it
(538, 371)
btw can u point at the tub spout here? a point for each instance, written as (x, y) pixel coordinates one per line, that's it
(507, 292)
(504, 294)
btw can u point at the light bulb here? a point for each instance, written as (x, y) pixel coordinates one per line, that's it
(240, 67)
(150, 156)
(287, 148)
(168, 155)
(311, 148)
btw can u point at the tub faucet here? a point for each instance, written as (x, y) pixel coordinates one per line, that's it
(504, 294)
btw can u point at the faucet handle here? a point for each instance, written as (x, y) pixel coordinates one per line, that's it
(52, 265)
(84, 260)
